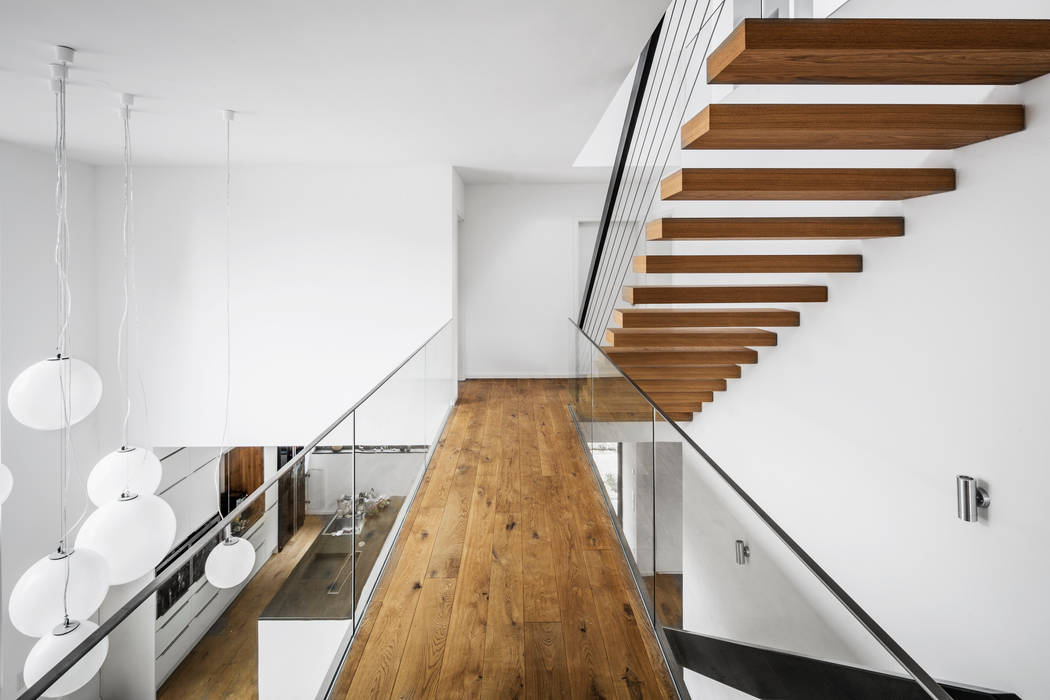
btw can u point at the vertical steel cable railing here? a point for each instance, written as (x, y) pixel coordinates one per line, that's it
(667, 72)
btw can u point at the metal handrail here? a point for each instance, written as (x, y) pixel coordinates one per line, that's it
(58, 670)
(641, 80)
(924, 679)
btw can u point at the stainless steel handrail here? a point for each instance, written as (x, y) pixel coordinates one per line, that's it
(37, 689)
(924, 679)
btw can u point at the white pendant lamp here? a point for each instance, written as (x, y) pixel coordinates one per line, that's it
(41, 598)
(7, 482)
(132, 533)
(35, 396)
(127, 470)
(230, 562)
(53, 395)
(56, 646)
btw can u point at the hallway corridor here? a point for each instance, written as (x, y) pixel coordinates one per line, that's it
(507, 579)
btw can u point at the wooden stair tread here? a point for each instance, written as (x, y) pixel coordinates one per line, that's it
(663, 264)
(675, 372)
(883, 51)
(701, 318)
(881, 126)
(817, 228)
(720, 294)
(662, 357)
(680, 386)
(710, 184)
(689, 337)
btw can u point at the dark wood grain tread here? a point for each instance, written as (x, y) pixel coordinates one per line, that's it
(818, 184)
(704, 318)
(721, 294)
(639, 374)
(689, 337)
(883, 51)
(762, 228)
(680, 386)
(845, 126)
(665, 264)
(663, 357)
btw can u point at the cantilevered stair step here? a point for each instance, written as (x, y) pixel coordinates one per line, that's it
(805, 183)
(883, 51)
(843, 126)
(665, 357)
(744, 294)
(664, 264)
(679, 386)
(676, 372)
(682, 402)
(689, 337)
(704, 318)
(801, 228)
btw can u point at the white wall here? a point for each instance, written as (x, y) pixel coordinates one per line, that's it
(337, 275)
(924, 366)
(517, 277)
(27, 317)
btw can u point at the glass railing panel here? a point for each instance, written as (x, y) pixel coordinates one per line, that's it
(620, 447)
(744, 609)
(580, 398)
(311, 609)
(183, 633)
(390, 451)
(441, 380)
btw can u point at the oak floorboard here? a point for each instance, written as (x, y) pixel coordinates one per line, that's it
(421, 661)
(546, 672)
(504, 671)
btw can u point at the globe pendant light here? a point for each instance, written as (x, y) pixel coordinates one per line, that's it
(67, 390)
(36, 395)
(129, 469)
(230, 563)
(56, 646)
(57, 391)
(132, 533)
(40, 599)
(7, 482)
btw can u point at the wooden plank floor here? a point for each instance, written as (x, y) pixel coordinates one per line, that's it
(507, 580)
(224, 664)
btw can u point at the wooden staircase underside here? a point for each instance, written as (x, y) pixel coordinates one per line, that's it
(681, 356)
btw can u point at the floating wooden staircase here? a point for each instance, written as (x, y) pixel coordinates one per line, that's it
(682, 356)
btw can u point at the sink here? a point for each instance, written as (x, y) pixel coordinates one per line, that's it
(340, 526)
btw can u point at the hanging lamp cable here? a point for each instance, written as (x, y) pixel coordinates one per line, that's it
(59, 73)
(123, 366)
(227, 117)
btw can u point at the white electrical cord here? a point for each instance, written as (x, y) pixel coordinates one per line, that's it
(228, 117)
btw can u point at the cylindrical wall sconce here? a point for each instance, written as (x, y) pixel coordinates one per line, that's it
(743, 552)
(971, 497)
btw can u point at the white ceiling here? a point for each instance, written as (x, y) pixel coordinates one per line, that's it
(506, 90)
